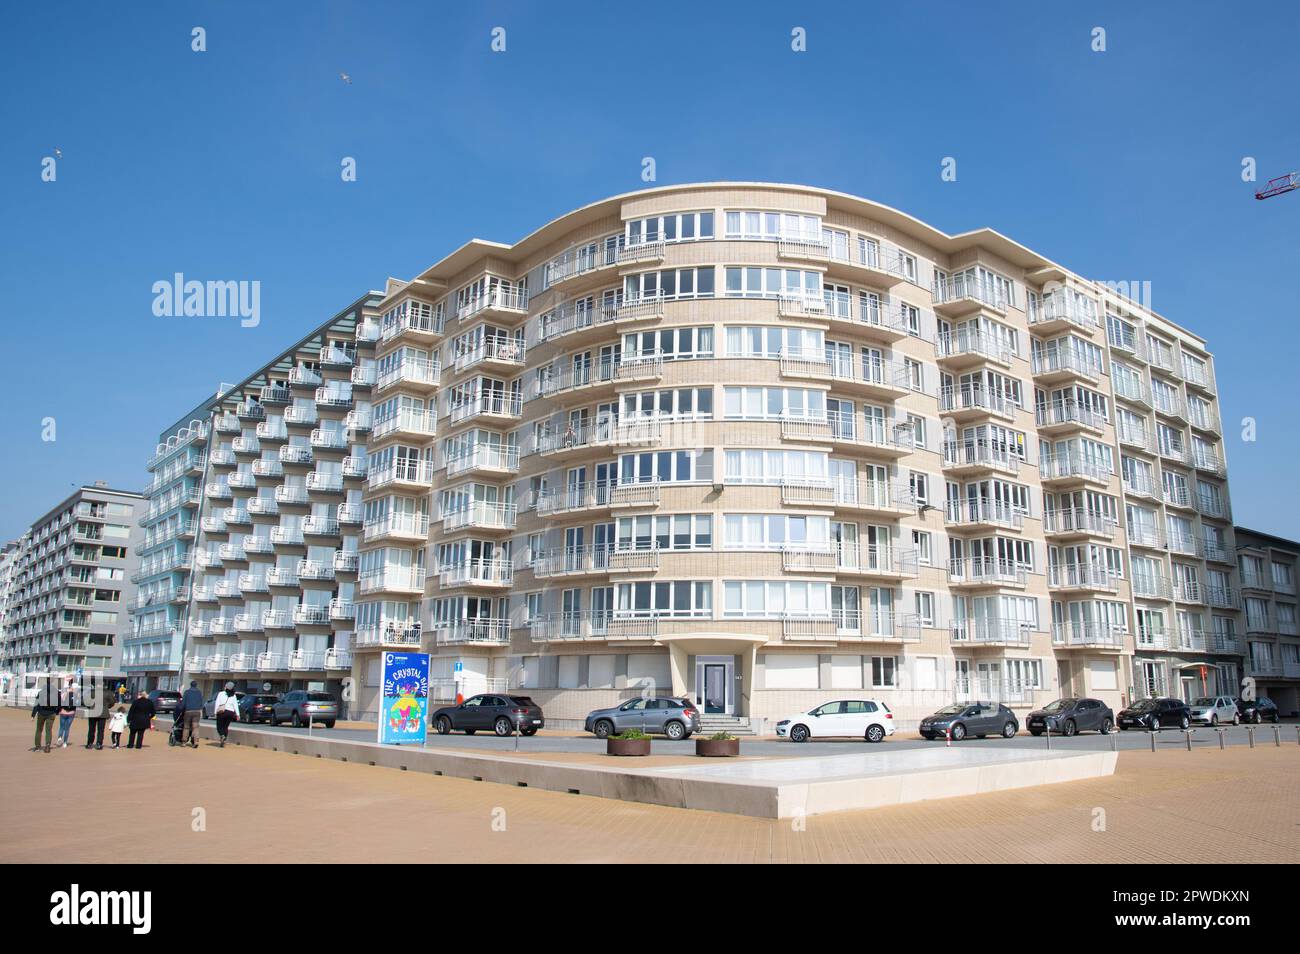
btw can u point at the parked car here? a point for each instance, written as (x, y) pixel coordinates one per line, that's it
(300, 707)
(1211, 710)
(1070, 716)
(490, 710)
(1258, 710)
(675, 718)
(845, 718)
(210, 706)
(962, 719)
(165, 701)
(1155, 714)
(256, 708)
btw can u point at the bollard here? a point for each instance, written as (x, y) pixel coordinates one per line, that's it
(1220, 731)
(1114, 742)
(1047, 727)
(1188, 734)
(1277, 736)
(1153, 740)
(947, 734)
(1297, 735)
(1250, 735)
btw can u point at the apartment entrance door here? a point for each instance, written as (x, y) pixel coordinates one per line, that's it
(714, 681)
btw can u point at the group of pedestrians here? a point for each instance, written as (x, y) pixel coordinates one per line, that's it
(114, 716)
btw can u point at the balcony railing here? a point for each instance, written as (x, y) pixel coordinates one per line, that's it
(987, 570)
(487, 457)
(1082, 576)
(478, 572)
(426, 372)
(494, 632)
(983, 512)
(990, 632)
(1078, 520)
(967, 398)
(492, 405)
(1056, 467)
(1088, 634)
(481, 514)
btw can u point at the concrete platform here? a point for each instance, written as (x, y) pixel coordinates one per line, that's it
(763, 787)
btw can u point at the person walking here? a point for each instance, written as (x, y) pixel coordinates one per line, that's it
(97, 712)
(192, 701)
(139, 718)
(227, 710)
(67, 712)
(117, 723)
(45, 710)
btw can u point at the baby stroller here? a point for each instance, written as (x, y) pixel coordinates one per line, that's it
(177, 735)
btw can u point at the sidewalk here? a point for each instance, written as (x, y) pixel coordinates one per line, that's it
(128, 806)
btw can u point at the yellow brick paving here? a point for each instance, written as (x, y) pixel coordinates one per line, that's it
(1240, 805)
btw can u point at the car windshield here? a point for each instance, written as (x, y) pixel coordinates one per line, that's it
(1058, 705)
(951, 710)
(1204, 701)
(1143, 704)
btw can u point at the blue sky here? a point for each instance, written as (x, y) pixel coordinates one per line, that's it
(225, 165)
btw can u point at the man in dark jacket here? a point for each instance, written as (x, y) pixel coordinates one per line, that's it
(192, 702)
(45, 711)
(139, 719)
(96, 703)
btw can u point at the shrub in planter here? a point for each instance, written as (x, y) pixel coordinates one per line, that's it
(629, 742)
(718, 745)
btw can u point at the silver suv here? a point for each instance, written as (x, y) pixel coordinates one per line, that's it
(675, 718)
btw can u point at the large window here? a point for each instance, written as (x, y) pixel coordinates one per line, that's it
(670, 283)
(759, 403)
(665, 598)
(774, 466)
(673, 227)
(773, 225)
(768, 531)
(753, 281)
(775, 599)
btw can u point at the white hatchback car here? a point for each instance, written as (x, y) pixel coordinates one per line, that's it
(845, 718)
(1215, 710)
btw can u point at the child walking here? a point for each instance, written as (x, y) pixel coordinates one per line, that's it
(117, 724)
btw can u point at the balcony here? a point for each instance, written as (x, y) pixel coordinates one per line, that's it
(484, 459)
(321, 483)
(272, 662)
(963, 295)
(346, 562)
(363, 377)
(291, 495)
(982, 515)
(1151, 586)
(213, 525)
(480, 514)
(296, 455)
(869, 377)
(1059, 310)
(390, 634)
(402, 475)
(350, 515)
(1078, 522)
(337, 358)
(233, 553)
(1060, 417)
(478, 572)
(419, 374)
(571, 439)
(263, 507)
(222, 457)
(1082, 577)
(277, 619)
(272, 432)
(300, 660)
(881, 497)
(968, 347)
(243, 662)
(1222, 597)
(846, 625)
(406, 527)
(892, 438)
(635, 310)
(970, 403)
(228, 424)
(281, 577)
(498, 353)
(392, 579)
(1070, 469)
(218, 490)
(986, 571)
(328, 440)
(489, 408)
(571, 561)
(307, 614)
(1209, 462)
(409, 423)
(315, 571)
(1007, 633)
(973, 457)
(249, 623)
(870, 560)
(268, 468)
(1087, 634)
(300, 415)
(801, 306)
(1132, 436)
(500, 300)
(252, 583)
(482, 632)
(1061, 365)
(417, 320)
(342, 611)
(303, 376)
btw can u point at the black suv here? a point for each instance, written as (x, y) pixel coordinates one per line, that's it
(1258, 710)
(498, 712)
(962, 719)
(1156, 714)
(1069, 716)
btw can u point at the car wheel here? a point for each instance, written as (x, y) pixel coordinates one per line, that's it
(1107, 727)
(1214, 721)
(296, 721)
(1236, 718)
(1257, 718)
(470, 731)
(604, 729)
(503, 727)
(1008, 730)
(330, 724)
(675, 731)
(1276, 718)
(527, 731)
(1184, 722)
(1071, 728)
(1035, 732)
(799, 733)
(443, 725)
(875, 733)
(958, 732)
(274, 721)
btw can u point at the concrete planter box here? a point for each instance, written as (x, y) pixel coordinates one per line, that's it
(717, 748)
(627, 746)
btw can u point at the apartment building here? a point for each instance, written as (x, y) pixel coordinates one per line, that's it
(70, 586)
(1268, 567)
(249, 573)
(760, 444)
